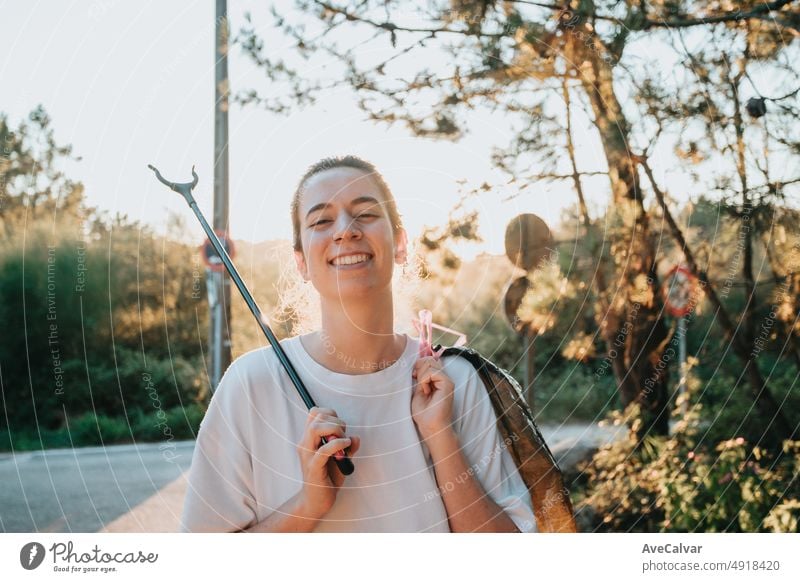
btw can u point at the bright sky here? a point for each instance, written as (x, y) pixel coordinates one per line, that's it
(131, 83)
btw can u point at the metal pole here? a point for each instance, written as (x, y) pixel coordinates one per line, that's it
(221, 317)
(682, 325)
(218, 325)
(529, 368)
(211, 288)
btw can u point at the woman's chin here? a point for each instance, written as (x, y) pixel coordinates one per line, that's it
(347, 289)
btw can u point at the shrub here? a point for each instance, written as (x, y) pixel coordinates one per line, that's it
(674, 484)
(96, 429)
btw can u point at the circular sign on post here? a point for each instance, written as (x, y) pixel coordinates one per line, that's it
(515, 293)
(680, 291)
(210, 256)
(528, 241)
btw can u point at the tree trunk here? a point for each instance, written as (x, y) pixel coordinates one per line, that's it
(777, 424)
(633, 326)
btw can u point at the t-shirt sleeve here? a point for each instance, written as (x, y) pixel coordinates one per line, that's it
(219, 495)
(487, 453)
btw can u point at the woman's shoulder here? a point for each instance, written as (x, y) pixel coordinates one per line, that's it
(458, 368)
(254, 366)
(262, 357)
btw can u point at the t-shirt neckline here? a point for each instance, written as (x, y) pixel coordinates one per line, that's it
(381, 381)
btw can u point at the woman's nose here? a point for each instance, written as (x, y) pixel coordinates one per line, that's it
(346, 226)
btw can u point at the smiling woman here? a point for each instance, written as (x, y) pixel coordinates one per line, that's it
(421, 431)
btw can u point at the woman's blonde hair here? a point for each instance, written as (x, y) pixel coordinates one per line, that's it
(298, 303)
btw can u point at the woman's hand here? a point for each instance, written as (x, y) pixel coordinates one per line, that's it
(321, 476)
(432, 399)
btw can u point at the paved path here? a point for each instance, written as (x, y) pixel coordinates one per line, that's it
(82, 490)
(140, 488)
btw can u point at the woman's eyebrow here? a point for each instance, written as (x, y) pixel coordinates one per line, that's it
(353, 202)
(364, 200)
(317, 207)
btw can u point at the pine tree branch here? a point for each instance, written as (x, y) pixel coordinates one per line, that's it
(737, 16)
(637, 24)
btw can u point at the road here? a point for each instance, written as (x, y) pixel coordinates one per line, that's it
(84, 489)
(138, 488)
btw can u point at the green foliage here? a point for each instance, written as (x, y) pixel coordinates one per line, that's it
(93, 429)
(728, 409)
(102, 315)
(81, 332)
(32, 185)
(571, 393)
(182, 423)
(685, 483)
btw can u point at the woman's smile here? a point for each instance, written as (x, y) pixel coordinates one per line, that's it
(351, 261)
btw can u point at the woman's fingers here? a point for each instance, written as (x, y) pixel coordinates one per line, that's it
(424, 369)
(422, 364)
(336, 476)
(323, 438)
(317, 411)
(352, 448)
(327, 450)
(318, 429)
(323, 422)
(333, 419)
(419, 368)
(317, 414)
(355, 444)
(326, 427)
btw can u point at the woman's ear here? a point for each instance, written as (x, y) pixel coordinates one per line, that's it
(401, 243)
(302, 268)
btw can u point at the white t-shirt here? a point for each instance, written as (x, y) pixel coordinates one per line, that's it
(245, 463)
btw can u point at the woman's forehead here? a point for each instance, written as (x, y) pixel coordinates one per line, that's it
(338, 186)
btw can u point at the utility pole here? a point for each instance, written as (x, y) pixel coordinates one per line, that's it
(681, 294)
(528, 336)
(528, 243)
(220, 344)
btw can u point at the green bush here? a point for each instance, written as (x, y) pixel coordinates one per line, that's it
(177, 422)
(33, 440)
(91, 429)
(728, 405)
(676, 484)
(95, 429)
(572, 393)
(90, 305)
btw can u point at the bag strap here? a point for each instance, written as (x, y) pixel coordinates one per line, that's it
(537, 466)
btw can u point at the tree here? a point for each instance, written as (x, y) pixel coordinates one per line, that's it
(101, 316)
(739, 144)
(512, 57)
(32, 185)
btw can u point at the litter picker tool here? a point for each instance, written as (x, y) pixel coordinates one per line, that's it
(342, 460)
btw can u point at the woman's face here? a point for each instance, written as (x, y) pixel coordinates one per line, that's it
(348, 245)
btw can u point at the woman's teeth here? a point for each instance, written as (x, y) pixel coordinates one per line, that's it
(350, 260)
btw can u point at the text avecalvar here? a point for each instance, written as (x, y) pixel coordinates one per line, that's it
(671, 549)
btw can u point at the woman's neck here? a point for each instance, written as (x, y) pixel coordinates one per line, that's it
(358, 337)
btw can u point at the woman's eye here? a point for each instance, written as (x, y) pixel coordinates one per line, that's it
(325, 220)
